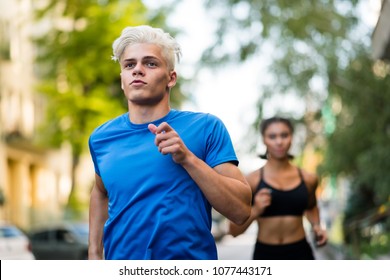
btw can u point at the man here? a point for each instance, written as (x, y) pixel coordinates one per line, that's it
(160, 171)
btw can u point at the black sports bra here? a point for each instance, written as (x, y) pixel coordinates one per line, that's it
(285, 203)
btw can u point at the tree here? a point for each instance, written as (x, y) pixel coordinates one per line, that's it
(320, 53)
(304, 41)
(359, 144)
(80, 83)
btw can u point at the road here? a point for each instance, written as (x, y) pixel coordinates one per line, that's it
(241, 247)
(237, 248)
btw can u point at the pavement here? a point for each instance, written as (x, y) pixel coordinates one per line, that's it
(236, 248)
(241, 247)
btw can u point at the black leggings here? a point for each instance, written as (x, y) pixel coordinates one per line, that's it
(299, 250)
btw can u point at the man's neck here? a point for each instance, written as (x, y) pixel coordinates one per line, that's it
(147, 114)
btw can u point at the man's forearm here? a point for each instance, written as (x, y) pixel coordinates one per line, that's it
(224, 187)
(97, 218)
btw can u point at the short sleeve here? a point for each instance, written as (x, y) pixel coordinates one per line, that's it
(92, 152)
(219, 147)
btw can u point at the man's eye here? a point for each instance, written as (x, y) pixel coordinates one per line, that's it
(151, 64)
(129, 65)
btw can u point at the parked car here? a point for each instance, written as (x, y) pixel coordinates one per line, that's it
(68, 241)
(14, 243)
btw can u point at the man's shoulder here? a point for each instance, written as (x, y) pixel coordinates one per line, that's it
(110, 125)
(195, 115)
(184, 113)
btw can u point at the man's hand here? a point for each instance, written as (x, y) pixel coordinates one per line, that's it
(168, 141)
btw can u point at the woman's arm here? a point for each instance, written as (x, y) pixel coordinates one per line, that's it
(320, 235)
(313, 213)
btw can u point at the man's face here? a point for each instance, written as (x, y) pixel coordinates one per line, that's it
(145, 76)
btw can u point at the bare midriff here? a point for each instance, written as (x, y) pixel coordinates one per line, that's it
(280, 230)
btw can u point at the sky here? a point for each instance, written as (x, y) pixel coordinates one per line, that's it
(230, 93)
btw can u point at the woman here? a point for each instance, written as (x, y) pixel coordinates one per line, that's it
(282, 195)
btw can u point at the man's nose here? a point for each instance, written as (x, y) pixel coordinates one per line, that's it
(138, 70)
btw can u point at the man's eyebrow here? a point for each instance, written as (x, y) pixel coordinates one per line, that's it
(143, 58)
(128, 59)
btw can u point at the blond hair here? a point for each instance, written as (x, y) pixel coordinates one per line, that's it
(171, 50)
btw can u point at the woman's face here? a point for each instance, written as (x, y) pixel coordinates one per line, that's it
(277, 138)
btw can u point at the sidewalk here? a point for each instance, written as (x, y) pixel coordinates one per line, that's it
(241, 248)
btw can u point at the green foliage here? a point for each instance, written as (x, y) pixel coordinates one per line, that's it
(305, 42)
(369, 233)
(80, 82)
(2, 197)
(76, 73)
(82, 85)
(360, 144)
(320, 51)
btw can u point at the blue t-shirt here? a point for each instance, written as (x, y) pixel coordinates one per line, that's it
(155, 209)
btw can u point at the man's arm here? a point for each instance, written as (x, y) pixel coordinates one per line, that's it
(235, 230)
(97, 217)
(261, 200)
(224, 186)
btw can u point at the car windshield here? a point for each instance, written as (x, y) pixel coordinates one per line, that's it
(8, 231)
(81, 229)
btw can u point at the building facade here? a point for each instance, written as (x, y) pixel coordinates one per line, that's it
(34, 181)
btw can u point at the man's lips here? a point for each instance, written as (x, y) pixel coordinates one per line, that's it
(137, 82)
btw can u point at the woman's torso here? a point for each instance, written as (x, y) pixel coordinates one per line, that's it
(282, 221)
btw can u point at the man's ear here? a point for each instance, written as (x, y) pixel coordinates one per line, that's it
(173, 79)
(121, 81)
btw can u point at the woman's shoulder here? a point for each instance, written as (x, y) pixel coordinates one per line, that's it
(253, 178)
(310, 178)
